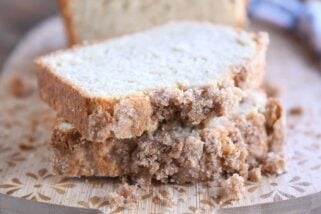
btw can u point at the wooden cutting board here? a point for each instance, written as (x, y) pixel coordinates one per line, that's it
(25, 124)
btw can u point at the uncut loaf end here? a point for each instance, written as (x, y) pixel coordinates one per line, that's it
(83, 18)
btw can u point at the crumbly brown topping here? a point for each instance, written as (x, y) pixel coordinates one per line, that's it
(131, 117)
(230, 152)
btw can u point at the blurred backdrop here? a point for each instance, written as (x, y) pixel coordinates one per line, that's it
(17, 17)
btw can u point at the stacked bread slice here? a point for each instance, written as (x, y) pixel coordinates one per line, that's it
(178, 103)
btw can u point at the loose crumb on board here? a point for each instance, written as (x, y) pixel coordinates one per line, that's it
(207, 202)
(19, 87)
(127, 196)
(164, 198)
(196, 210)
(233, 188)
(118, 210)
(296, 111)
(26, 147)
(148, 195)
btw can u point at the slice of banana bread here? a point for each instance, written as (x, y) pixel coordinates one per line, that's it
(247, 143)
(178, 72)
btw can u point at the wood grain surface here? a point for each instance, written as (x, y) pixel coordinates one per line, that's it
(17, 17)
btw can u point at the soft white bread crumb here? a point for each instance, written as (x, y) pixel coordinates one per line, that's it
(176, 55)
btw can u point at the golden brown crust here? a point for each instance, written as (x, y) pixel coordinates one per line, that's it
(68, 20)
(74, 106)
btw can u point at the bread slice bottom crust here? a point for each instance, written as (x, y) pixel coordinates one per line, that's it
(228, 149)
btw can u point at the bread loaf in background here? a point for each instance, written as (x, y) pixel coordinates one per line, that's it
(100, 19)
